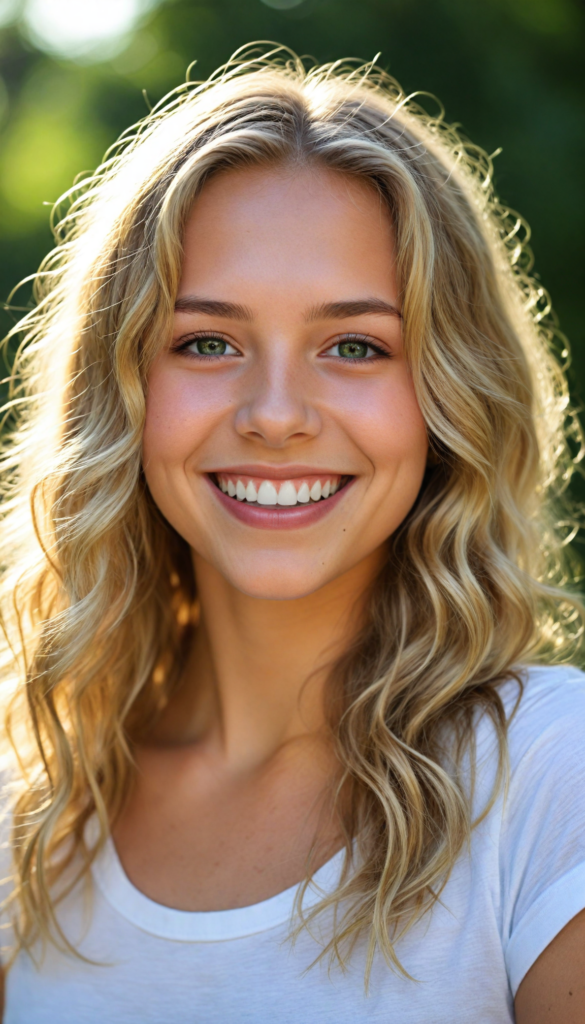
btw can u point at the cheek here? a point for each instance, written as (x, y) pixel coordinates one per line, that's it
(179, 416)
(385, 422)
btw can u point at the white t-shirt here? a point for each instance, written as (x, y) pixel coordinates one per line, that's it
(519, 884)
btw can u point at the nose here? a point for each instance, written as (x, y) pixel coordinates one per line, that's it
(277, 408)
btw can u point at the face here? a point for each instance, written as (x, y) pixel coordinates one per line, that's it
(283, 439)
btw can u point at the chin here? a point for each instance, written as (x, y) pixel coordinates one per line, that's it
(278, 582)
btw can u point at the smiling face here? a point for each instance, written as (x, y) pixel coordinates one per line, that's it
(283, 439)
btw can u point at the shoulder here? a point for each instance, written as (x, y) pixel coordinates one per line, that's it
(544, 706)
(539, 702)
(545, 789)
(545, 709)
(545, 687)
(541, 826)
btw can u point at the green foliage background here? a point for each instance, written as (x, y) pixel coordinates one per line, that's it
(508, 71)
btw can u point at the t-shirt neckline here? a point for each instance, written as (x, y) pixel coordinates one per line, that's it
(205, 926)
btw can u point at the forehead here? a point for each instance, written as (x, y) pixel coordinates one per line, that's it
(289, 226)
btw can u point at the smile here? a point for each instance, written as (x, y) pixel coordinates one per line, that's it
(257, 491)
(279, 503)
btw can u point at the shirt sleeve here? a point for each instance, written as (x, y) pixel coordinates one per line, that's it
(542, 845)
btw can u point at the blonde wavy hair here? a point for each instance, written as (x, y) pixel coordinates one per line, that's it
(98, 589)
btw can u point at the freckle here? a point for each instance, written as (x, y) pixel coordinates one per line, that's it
(570, 993)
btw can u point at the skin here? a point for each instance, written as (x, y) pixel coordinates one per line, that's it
(283, 245)
(553, 990)
(233, 790)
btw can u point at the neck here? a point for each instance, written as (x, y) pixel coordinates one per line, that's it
(256, 674)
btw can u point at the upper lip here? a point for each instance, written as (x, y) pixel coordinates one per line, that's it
(278, 472)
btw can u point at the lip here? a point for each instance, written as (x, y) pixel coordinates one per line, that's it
(275, 517)
(274, 472)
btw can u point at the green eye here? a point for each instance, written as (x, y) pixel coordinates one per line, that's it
(210, 346)
(353, 349)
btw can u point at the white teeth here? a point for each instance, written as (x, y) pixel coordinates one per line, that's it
(267, 493)
(287, 494)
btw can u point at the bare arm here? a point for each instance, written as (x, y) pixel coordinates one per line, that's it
(553, 991)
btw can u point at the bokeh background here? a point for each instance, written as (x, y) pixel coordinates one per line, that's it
(75, 73)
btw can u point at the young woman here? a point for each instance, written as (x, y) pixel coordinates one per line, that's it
(291, 738)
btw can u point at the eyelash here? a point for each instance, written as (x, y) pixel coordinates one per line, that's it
(380, 353)
(183, 346)
(362, 339)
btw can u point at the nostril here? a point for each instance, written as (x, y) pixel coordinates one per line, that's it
(278, 422)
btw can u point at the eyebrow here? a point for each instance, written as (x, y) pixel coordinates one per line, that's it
(326, 311)
(352, 307)
(213, 307)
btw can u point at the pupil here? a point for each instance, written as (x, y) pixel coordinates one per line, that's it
(211, 346)
(353, 349)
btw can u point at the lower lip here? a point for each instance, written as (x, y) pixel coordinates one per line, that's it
(283, 518)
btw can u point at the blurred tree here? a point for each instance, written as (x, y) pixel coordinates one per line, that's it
(507, 70)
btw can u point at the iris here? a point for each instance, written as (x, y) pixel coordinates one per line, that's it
(353, 349)
(210, 346)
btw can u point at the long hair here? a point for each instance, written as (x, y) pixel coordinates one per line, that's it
(98, 589)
